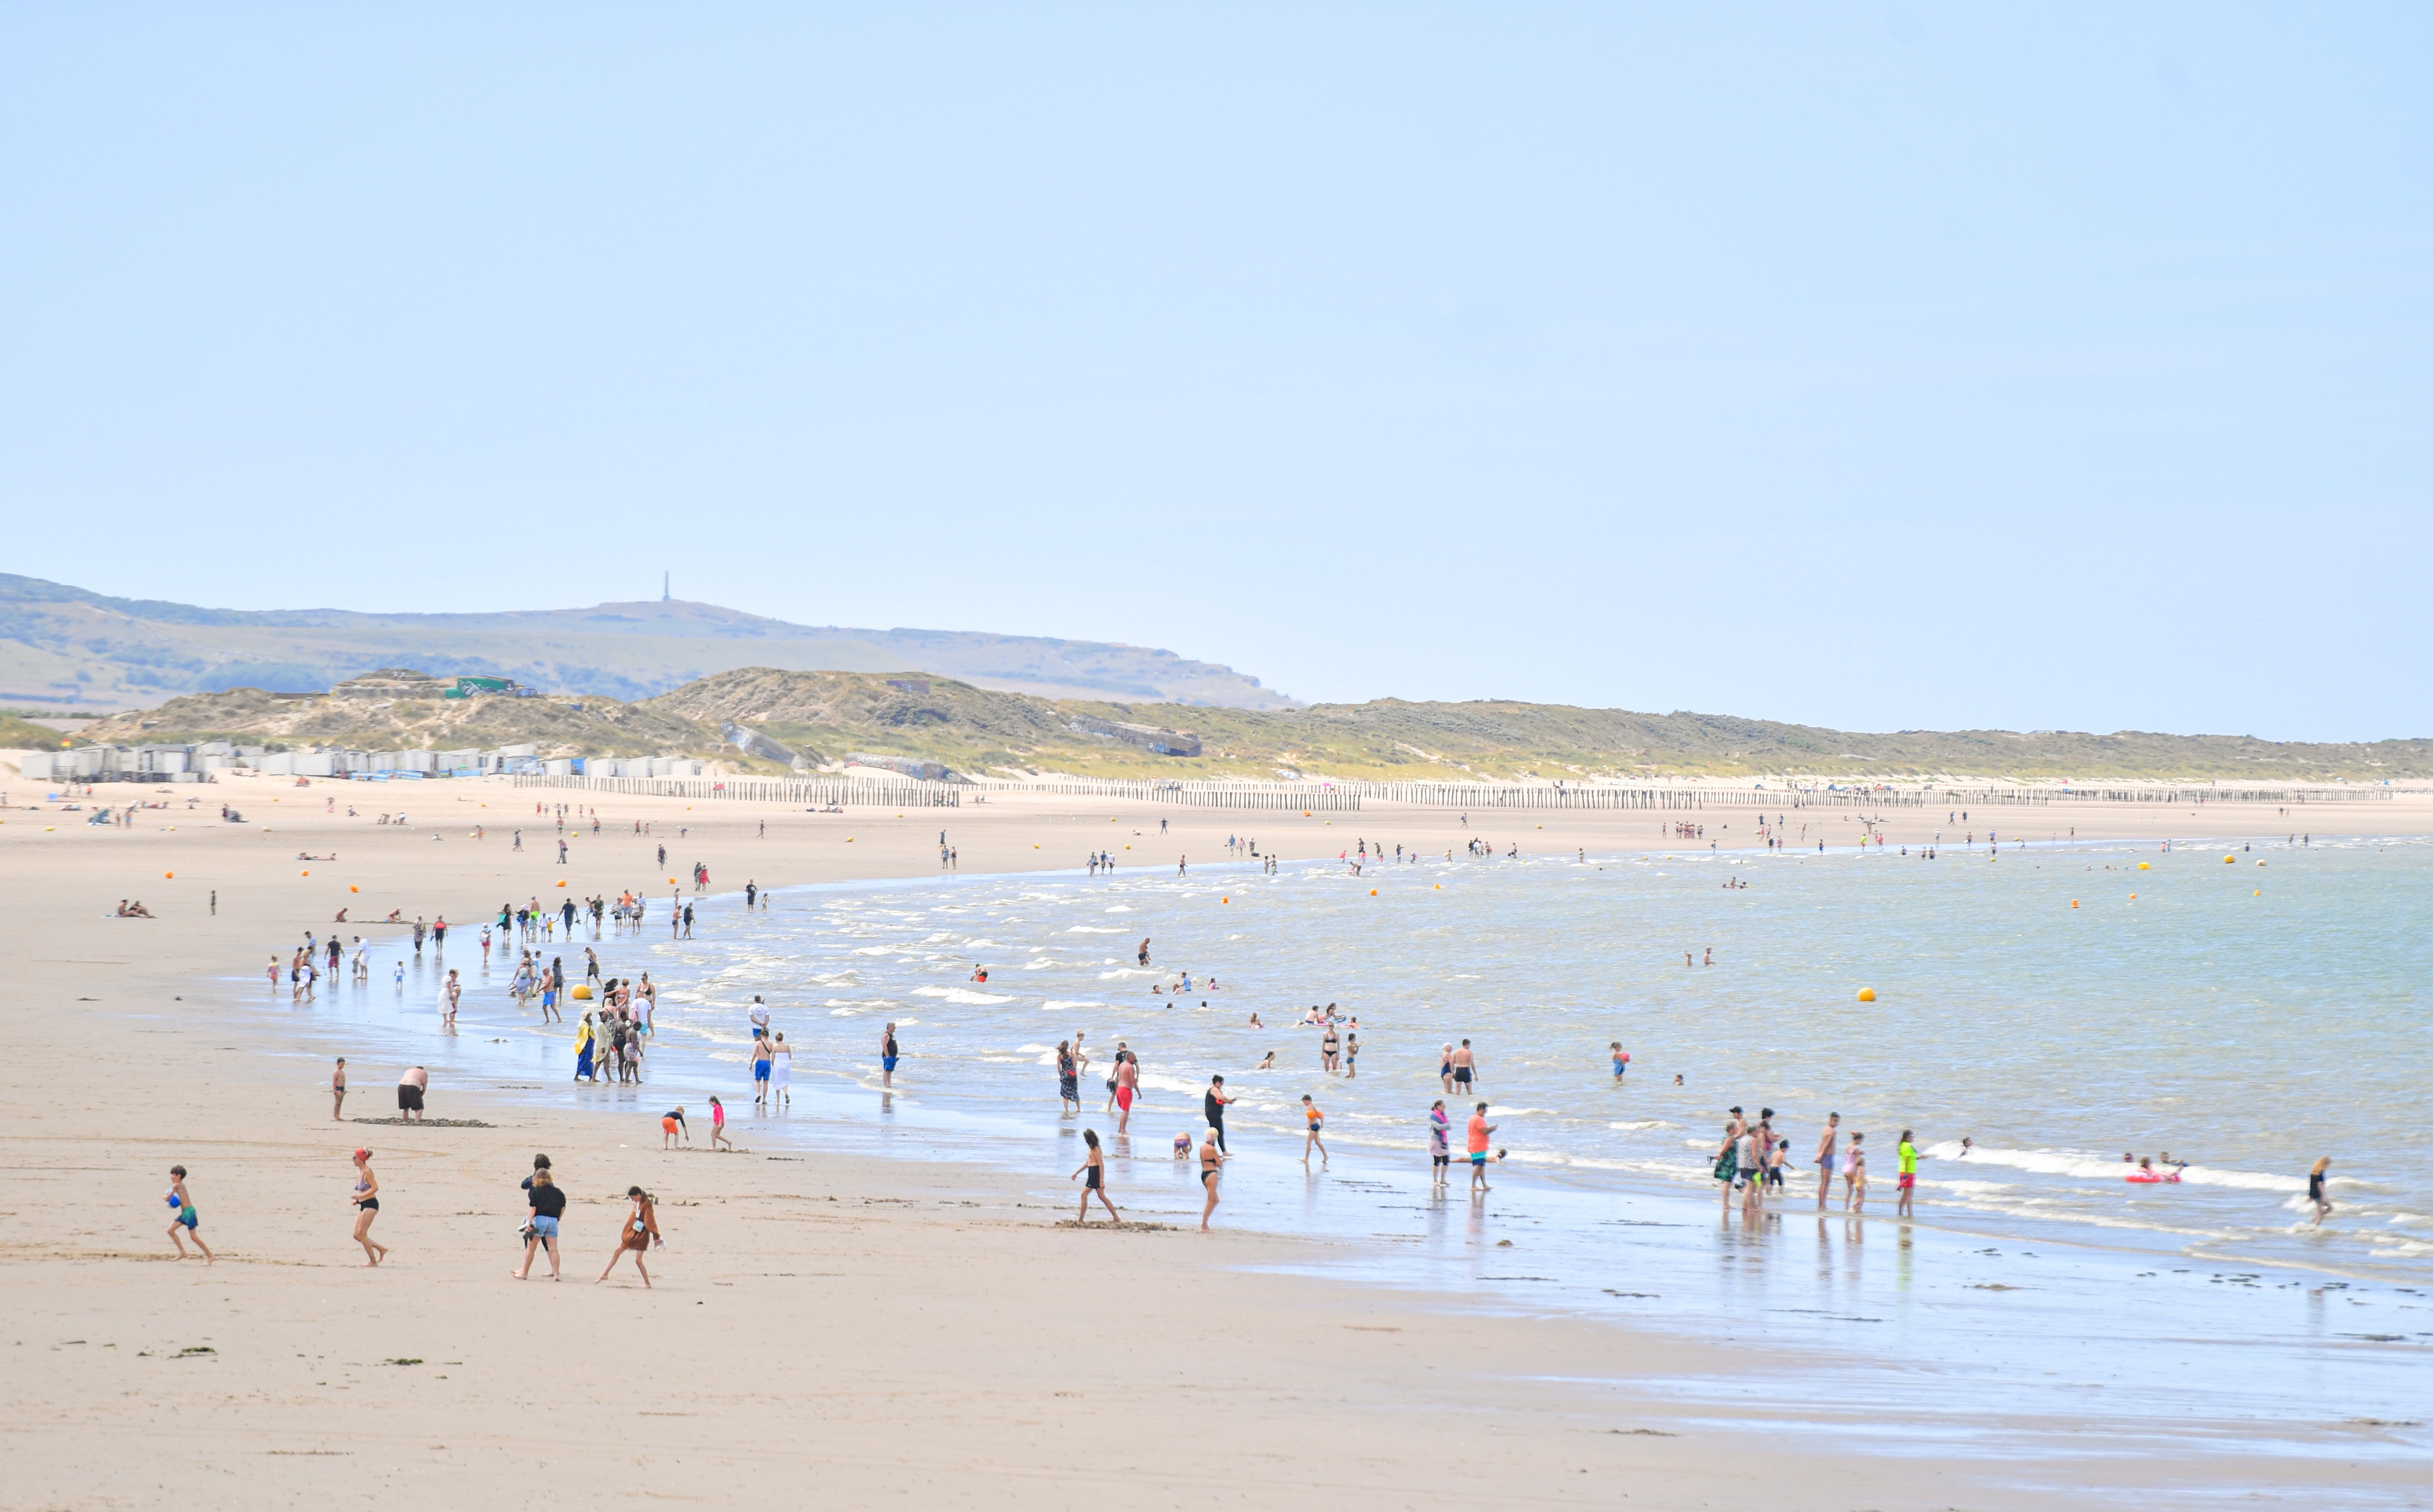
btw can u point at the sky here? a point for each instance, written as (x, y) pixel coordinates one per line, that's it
(1882, 368)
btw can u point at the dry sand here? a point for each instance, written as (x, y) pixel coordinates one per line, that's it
(854, 1332)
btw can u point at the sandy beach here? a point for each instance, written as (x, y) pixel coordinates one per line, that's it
(866, 1331)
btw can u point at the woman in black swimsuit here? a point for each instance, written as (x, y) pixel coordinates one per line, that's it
(367, 1200)
(1095, 1167)
(1210, 1159)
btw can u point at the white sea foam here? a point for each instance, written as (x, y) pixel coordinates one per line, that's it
(960, 995)
(2096, 1168)
(1057, 1004)
(1093, 930)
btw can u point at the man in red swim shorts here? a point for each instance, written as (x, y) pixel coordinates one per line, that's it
(1127, 1079)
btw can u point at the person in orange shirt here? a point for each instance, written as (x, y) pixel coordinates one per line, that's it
(1317, 1121)
(1479, 1129)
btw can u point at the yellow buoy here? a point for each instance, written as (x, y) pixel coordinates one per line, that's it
(2144, 867)
(581, 990)
(2133, 897)
(2259, 893)
(561, 882)
(2230, 860)
(1867, 994)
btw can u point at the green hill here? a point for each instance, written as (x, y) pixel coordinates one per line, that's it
(1390, 739)
(827, 715)
(68, 646)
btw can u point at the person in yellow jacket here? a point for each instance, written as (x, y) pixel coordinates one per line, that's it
(586, 1044)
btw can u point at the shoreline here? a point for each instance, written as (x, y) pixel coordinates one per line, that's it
(1544, 1383)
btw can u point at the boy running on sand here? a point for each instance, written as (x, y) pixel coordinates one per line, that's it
(183, 1215)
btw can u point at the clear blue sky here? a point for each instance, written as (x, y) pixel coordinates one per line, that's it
(1877, 367)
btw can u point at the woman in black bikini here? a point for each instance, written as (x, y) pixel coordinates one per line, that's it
(367, 1200)
(1210, 1159)
(1094, 1166)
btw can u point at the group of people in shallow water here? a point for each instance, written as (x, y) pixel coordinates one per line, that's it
(1755, 1158)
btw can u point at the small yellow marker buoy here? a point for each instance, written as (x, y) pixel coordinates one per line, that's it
(2144, 867)
(1867, 994)
(2259, 893)
(2230, 860)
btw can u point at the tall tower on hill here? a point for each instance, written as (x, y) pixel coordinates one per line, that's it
(663, 587)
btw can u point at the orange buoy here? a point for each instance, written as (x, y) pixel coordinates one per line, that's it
(168, 876)
(2073, 903)
(1867, 994)
(1373, 891)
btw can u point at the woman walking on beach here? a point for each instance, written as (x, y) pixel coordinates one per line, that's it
(548, 1204)
(184, 1216)
(2315, 1179)
(367, 1200)
(1094, 1164)
(1069, 1077)
(781, 1071)
(641, 1231)
(1211, 1160)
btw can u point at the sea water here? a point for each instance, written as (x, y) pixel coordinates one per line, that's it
(2247, 1006)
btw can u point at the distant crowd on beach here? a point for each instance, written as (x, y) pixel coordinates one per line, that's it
(1751, 1165)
